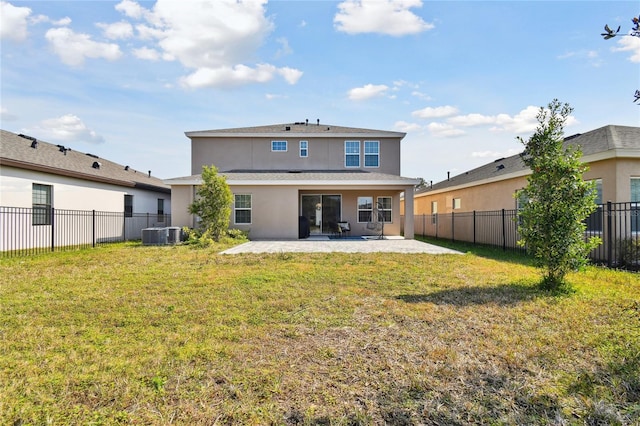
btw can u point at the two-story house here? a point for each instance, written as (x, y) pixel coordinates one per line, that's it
(285, 176)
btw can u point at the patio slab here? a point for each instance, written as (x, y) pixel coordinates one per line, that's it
(319, 245)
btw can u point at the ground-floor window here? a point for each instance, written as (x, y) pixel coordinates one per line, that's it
(322, 212)
(128, 205)
(242, 209)
(365, 209)
(385, 209)
(41, 197)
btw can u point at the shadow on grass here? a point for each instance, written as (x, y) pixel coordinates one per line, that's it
(506, 294)
(488, 252)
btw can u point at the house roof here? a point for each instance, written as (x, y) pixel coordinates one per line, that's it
(297, 129)
(605, 142)
(28, 153)
(300, 178)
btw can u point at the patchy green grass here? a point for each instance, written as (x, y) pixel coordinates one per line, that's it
(156, 335)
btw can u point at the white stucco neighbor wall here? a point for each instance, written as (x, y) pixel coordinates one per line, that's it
(75, 194)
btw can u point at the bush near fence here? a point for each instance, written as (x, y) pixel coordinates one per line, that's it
(617, 224)
(25, 231)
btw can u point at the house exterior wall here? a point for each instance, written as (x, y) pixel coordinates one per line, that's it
(488, 196)
(616, 174)
(75, 194)
(279, 219)
(254, 153)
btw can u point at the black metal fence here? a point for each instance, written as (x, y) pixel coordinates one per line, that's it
(617, 224)
(25, 231)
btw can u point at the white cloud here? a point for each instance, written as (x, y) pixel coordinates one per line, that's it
(285, 49)
(117, 31)
(421, 95)
(67, 128)
(391, 17)
(368, 91)
(43, 18)
(5, 115)
(216, 40)
(437, 112)
(146, 54)
(470, 120)
(229, 76)
(291, 75)
(406, 127)
(444, 130)
(13, 21)
(72, 48)
(495, 154)
(131, 9)
(629, 44)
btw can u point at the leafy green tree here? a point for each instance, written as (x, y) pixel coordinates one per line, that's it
(559, 200)
(213, 203)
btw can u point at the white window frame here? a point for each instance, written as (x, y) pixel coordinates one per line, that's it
(237, 209)
(304, 149)
(42, 203)
(384, 210)
(376, 154)
(348, 154)
(434, 211)
(276, 146)
(457, 203)
(359, 210)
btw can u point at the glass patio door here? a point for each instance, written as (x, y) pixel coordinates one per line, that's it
(322, 211)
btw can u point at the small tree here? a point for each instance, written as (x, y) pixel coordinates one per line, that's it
(213, 203)
(552, 221)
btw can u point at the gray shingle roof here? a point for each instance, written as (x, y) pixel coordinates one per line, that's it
(17, 151)
(298, 128)
(315, 177)
(599, 140)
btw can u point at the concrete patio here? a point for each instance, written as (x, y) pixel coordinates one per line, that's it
(347, 245)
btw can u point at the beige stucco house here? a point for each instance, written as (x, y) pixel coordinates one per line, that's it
(612, 153)
(294, 180)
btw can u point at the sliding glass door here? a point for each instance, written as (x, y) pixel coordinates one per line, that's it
(322, 211)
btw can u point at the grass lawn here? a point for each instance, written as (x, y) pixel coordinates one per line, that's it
(157, 335)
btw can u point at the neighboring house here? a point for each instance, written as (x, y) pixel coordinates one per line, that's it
(612, 153)
(46, 178)
(290, 178)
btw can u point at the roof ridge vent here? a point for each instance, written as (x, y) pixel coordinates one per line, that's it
(92, 155)
(31, 138)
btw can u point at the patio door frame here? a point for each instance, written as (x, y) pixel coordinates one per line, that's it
(320, 217)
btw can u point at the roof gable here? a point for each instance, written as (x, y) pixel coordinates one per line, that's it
(29, 153)
(607, 138)
(296, 129)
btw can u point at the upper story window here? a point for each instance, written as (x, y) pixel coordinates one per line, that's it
(279, 146)
(352, 153)
(457, 203)
(41, 197)
(371, 153)
(304, 149)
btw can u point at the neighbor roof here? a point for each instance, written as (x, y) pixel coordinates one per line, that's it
(298, 178)
(26, 152)
(296, 129)
(597, 144)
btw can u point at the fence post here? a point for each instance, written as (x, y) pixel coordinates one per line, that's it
(453, 226)
(437, 224)
(93, 228)
(474, 227)
(609, 235)
(53, 230)
(504, 232)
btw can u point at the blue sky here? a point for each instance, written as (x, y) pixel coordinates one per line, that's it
(125, 79)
